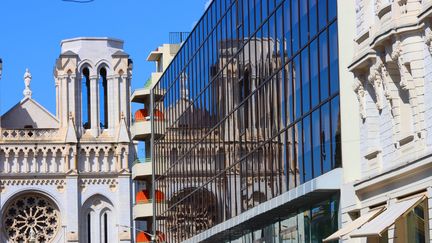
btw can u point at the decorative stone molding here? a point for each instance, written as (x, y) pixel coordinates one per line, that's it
(428, 39)
(31, 218)
(29, 134)
(378, 4)
(406, 78)
(403, 6)
(112, 183)
(359, 90)
(99, 181)
(32, 182)
(376, 80)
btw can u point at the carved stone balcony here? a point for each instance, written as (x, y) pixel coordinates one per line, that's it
(29, 134)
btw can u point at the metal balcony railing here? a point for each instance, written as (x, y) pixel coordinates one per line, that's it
(178, 37)
(142, 160)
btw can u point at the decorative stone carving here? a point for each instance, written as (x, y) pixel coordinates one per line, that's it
(27, 79)
(378, 4)
(428, 40)
(406, 78)
(375, 79)
(100, 181)
(33, 182)
(403, 6)
(359, 89)
(31, 218)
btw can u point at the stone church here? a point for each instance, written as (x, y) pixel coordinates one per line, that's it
(65, 177)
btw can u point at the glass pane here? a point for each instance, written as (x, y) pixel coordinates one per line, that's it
(290, 87)
(321, 222)
(316, 142)
(416, 224)
(292, 168)
(305, 80)
(334, 59)
(314, 71)
(297, 86)
(287, 29)
(336, 154)
(332, 9)
(325, 137)
(313, 25)
(295, 25)
(307, 148)
(322, 13)
(299, 153)
(304, 32)
(323, 64)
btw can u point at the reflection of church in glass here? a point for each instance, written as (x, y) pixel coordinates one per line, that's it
(215, 152)
(251, 116)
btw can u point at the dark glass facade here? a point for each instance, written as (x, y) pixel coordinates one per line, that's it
(308, 224)
(250, 109)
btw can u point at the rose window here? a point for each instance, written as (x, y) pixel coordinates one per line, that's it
(31, 217)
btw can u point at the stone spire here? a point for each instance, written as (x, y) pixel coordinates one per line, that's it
(27, 79)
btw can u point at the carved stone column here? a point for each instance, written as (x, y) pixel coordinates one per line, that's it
(64, 100)
(105, 167)
(116, 99)
(8, 166)
(94, 106)
(65, 155)
(123, 93)
(44, 162)
(87, 166)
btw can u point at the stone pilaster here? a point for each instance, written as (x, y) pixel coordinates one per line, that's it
(64, 101)
(124, 97)
(124, 208)
(72, 205)
(116, 99)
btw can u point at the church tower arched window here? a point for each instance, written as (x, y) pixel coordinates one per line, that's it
(103, 98)
(85, 99)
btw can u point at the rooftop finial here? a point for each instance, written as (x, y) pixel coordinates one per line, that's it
(27, 79)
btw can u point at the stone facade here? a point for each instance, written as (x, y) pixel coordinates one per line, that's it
(393, 82)
(76, 175)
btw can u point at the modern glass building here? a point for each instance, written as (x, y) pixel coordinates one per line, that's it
(247, 140)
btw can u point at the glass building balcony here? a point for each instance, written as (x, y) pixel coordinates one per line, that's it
(143, 208)
(142, 169)
(141, 126)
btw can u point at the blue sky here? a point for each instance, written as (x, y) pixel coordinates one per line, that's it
(31, 31)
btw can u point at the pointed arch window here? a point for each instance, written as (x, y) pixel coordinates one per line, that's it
(85, 99)
(103, 99)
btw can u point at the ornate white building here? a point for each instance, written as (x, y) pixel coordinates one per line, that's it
(65, 178)
(390, 196)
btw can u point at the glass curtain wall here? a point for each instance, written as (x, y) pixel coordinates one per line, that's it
(307, 225)
(250, 109)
